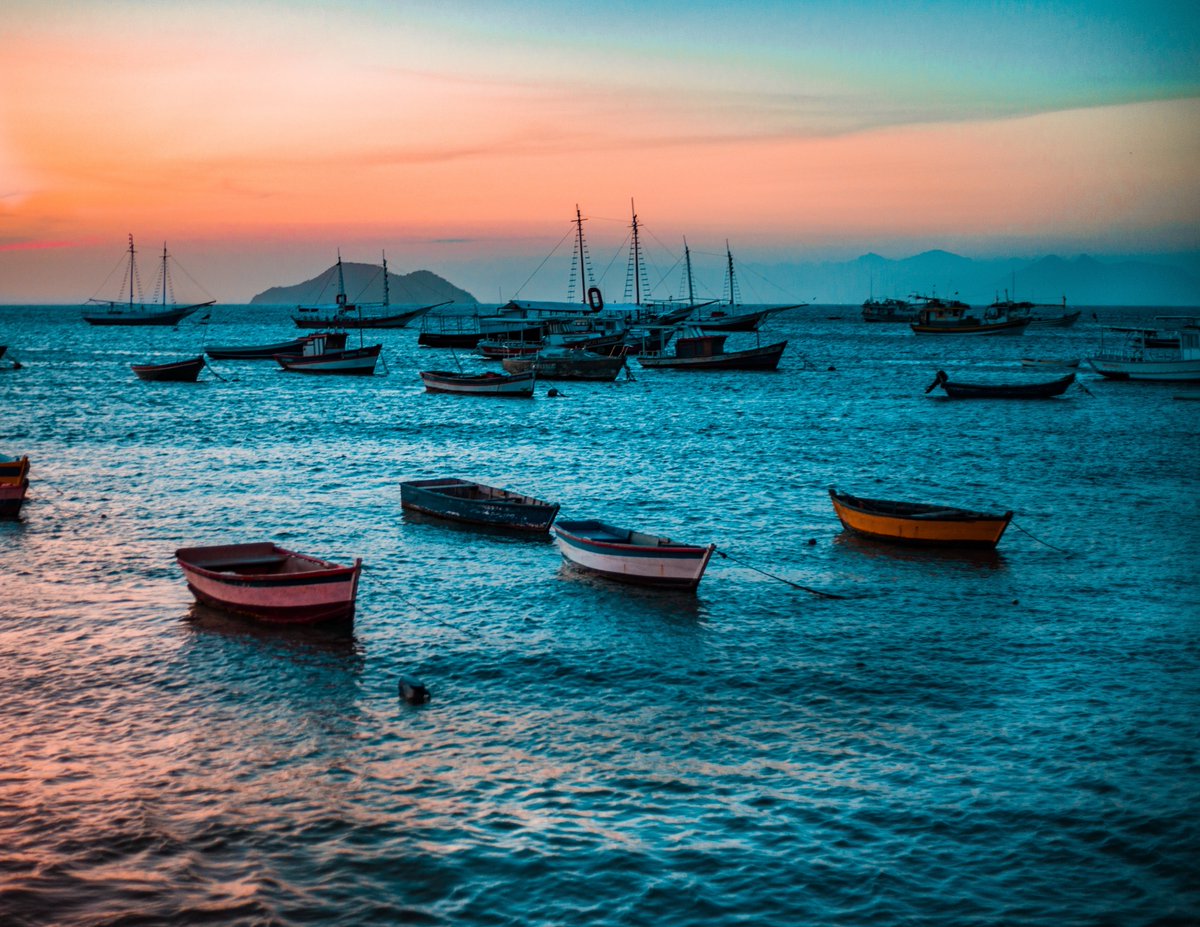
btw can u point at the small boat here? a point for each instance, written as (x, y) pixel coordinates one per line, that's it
(184, 371)
(631, 556)
(732, 316)
(266, 582)
(706, 351)
(349, 362)
(889, 310)
(567, 364)
(479, 384)
(1137, 357)
(918, 522)
(477, 504)
(952, 317)
(14, 483)
(959, 390)
(1049, 362)
(134, 310)
(494, 349)
(333, 341)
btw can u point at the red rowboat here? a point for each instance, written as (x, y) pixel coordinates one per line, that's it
(269, 583)
(14, 483)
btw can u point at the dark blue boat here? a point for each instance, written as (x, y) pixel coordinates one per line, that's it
(476, 504)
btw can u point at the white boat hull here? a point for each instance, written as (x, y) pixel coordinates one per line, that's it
(1179, 371)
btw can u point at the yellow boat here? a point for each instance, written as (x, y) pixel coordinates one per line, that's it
(918, 522)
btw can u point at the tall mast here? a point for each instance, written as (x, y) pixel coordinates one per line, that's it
(164, 275)
(385, 281)
(687, 260)
(729, 255)
(637, 258)
(582, 267)
(341, 293)
(132, 267)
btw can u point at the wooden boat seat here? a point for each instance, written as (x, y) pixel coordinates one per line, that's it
(235, 563)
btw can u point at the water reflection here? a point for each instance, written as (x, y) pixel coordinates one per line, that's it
(511, 535)
(980, 557)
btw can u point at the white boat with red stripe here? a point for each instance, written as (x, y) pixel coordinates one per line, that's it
(263, 581)
(631, 556)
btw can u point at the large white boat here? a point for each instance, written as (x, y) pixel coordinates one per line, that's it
(1143, 354)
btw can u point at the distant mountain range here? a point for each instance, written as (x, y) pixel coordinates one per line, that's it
(1083, 280)
(364, 284)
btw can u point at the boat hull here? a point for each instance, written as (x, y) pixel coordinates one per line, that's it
(763, 358)
(270, 584)
(1044, 390)
(353, 362)
(597, 548)
(333, 341)
(185, 371)
(1007, 327)
(476, 504)
(140, 317)
(14, 484)
(917, 523)
(519, 385)
(346, 320)
(1165, 371)
(583, 366)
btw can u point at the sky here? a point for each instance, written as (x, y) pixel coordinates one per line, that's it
(257, 139)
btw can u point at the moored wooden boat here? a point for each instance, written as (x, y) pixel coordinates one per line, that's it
(953, 317)
(14, 484)
(269, 583)
(333, 341)
(1146, 354)
(702, 351)
(349, 362)
(918, 522)
(960, 390)
(631, 556)
(479, 384)
(477, 504)
(132, 309)
(184, 371)
(567, 364)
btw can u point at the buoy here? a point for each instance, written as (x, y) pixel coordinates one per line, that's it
(413, 691)
(812, 542)
(553, 393)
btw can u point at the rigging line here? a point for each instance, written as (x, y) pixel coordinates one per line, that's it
(568, 234)
(616, 254)
(214, 372)
(1039, 540)
(817, 592)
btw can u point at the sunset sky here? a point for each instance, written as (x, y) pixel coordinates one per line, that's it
(256, 138)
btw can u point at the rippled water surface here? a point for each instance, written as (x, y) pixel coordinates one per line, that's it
(961, 740)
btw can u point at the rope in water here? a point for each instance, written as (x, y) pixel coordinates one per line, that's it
(1039, 540)
(465, 632)
(214, 372)
(817, 592)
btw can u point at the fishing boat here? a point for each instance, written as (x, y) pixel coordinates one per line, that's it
(333, 341)
(479, 384)
(889, 310)
(14, 484)
(952, 317)
(918, 522)
(1040, 315)
(700, 350)
(344, 314)
(494, 349)
(732, 316)
(477, 504)
(567, 364)
(347, 362)
(135, 310)
(631, 556)
(1133, 357)
(184, 371)
(957, 389)
(267, 582)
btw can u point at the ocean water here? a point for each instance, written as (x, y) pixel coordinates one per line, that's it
(995, 739)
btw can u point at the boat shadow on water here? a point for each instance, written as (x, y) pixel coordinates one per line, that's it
(972, 557)
(334, 637)
(494, 532)
(614, 596)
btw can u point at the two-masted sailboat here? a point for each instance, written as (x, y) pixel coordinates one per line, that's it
(344, 314)
(134, 310)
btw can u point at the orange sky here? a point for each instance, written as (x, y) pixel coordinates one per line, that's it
(257, 139)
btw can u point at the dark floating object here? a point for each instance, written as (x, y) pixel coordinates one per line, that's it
(413, 691)
(184, 371)
(475, 503)
(958, 390)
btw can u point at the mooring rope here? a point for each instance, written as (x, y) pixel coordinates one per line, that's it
(817, 592)
(1039, 540)
(214, 372)
(465, 632)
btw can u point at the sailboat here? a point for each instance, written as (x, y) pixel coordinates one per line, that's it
(348, 315)
(135, 311)
(733, 316)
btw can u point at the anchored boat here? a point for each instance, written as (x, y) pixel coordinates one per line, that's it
(918, 522)
(477, 504)
(14, 484)
(269, 583)
(632, 556)
(134, 310)
(184, 371)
